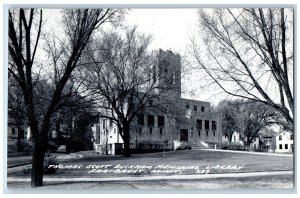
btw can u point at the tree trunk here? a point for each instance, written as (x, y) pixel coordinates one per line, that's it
(126, 140)
(20, 136)
(38, 156)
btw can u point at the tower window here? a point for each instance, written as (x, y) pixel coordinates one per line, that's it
(195, 108)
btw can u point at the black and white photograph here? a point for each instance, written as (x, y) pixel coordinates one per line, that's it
(112, 97)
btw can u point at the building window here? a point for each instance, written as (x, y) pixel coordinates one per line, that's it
(214, 132)
(206, 124)
(150, 130)
(140, 119)
(161, 120)
(214, 125)
(234, 138)
(187, 106)
(286, 146)
(207, 133)
(160, 131)
(150, 120)
(192, 128)
(195, 108)
(199, 133)
(192, 134)
(103, 124)
(199, 124)
(292, 137)
(202, 109)
(110, 123)
(280, 137)
(13, 131)
(280, 146)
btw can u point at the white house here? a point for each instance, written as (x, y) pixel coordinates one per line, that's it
(284, 142)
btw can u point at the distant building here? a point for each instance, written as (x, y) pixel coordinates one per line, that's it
(284, 142)
(157, 130)
(14, 134)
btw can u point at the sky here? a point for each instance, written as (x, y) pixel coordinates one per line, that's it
(170, 28)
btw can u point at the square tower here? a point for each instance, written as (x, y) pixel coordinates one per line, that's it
(169, 68)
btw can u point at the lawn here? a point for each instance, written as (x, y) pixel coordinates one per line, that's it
(173, 162)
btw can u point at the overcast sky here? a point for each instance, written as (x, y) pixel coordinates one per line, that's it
(170, 28)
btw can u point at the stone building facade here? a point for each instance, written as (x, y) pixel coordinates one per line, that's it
(157, 130)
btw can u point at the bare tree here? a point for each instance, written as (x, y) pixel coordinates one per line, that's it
(126, 78)
(25, 29)
(249, 55)
(254, 117)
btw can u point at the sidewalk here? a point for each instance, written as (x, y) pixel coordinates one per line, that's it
(154, 177)
(13, 162)
(17, 161)
(250, 152)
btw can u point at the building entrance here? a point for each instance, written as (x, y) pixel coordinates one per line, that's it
(183, 135)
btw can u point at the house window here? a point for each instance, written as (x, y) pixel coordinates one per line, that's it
(150, 130)
(214, 125)
(195, 108)
(286, 146)
(280, 137)
(140, 119)
(151, 120)
(202, 109)
(160, 131)
(199, 124)
(187, 106)
(206, 124)
(161, 120)
(280, 146)
(292, 137)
